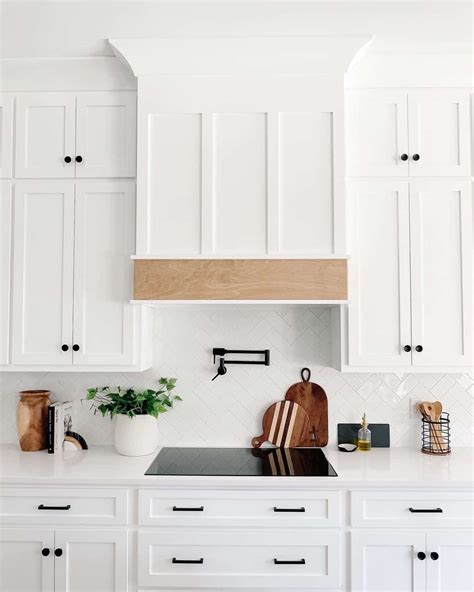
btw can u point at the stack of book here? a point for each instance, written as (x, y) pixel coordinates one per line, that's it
(59, 422)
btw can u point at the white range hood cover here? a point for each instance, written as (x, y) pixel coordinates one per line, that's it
(308, 55)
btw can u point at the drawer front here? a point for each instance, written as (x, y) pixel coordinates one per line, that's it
(239, 508)
(412, 508)
(239, 559)
(63, 506)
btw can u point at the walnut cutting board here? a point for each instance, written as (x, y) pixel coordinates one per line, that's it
(314, 401)
(285, 424)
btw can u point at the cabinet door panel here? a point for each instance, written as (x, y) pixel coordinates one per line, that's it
(379, 312)
(104, 243)
(439, 133)
(106, 134)
(441, 268)
(23, 568)
(42, 272)
(377, 133)
(6, 135)
(5, 268)
(45, 134)
(387, 561)
(453, 571)
(92, 561)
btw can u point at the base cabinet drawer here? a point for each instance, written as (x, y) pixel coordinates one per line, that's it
(238, 559)
(282, 509)
(412, 508)
(63, 506)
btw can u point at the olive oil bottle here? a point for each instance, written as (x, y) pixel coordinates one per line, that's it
(364, 437)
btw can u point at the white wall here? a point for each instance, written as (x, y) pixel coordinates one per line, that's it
(228, 411)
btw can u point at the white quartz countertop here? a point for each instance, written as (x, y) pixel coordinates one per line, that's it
(102, 465)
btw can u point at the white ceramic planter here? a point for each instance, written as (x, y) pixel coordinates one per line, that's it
(135, 436)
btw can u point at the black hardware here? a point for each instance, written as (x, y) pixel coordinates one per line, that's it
(45, 552)
(41, 507)
(307, 372)
(200, 561)
(434, 556)
(419, 348)
(221, 370)
(421, 556)
(416, 157)
(275, 509)
(65, 347)
(78, 158)
(75, 347)
(426, 510)
(221, 352)
(404, 157)
(58, 552)
(67, 159)
(176, 509)
(299, 562)
(407, 348)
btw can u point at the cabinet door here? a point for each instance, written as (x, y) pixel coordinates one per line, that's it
(103, 275)
(6, 135)
(452, 569)
(387, 561)
(43, 229)
(106, 134)
(23, 567)
(379, 311)
(92, 560)
(439, 133)
(377, 133)
(441, 268)
(5, 268)
(45, 135)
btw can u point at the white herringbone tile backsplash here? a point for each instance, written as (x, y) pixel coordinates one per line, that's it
(228, 411)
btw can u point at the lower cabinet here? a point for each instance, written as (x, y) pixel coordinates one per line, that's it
(412, 561)
(63, 560)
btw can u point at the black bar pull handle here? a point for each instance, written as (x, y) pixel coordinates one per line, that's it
(178, 509)
(426, 510)
(302, 509)
(298, 562)
(196, 561)
(41, 507)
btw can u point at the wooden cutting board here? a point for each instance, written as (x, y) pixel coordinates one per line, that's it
(314, 401)
(285, 424)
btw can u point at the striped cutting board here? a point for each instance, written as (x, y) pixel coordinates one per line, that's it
(285, 424)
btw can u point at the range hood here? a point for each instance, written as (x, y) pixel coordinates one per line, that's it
(240, 177)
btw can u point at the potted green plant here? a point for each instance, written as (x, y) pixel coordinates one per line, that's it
(135, 414)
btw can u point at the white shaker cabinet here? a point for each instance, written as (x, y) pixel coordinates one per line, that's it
(43, 247)
(410, 281)
(6, 135)
(5, 268)
(408, 133)
(450, 567)
(64, 135)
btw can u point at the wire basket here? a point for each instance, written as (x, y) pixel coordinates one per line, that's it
(436, 435)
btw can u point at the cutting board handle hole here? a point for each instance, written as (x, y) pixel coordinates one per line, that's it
(306, 371)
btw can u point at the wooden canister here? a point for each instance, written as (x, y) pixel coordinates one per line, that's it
(32, 420)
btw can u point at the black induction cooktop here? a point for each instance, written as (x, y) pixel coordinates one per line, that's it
(244, 462)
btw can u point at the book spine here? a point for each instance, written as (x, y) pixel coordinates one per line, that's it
(58, 429)
(50, 429)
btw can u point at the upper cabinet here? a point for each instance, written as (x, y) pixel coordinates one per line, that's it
(245, 168)
(64, 135)
(403, 133)
(5, 269)
(6, 135)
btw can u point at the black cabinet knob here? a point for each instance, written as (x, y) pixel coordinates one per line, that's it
(434, 556)
(404, 157)
(65, 347)
(45, 552)
(416, 157)
(58, 552)
(419, 348)
(407, 348)
(421, 556)
(78, 158)
(67, 159)
(75, 347)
